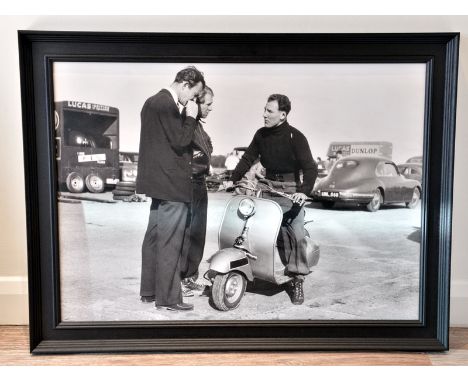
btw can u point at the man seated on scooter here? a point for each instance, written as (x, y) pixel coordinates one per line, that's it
(284, 152)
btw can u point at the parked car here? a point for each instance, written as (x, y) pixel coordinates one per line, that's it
(233, 158)
(411, 171)
(366, 180)
(416, 159)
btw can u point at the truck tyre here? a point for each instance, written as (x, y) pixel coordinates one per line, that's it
(126, 184)
(75, 182)
(228, 290)
(119, 197)
(124, 188)
(94, 183)
(122, 193)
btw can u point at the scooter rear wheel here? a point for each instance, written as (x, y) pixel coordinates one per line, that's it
(228, 290)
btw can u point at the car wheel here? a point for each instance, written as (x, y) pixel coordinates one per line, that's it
(75, 182)
(376, 202)
(415, 198)
(94, 183)
(328, 204)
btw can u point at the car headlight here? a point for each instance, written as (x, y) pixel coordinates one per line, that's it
(246, 207)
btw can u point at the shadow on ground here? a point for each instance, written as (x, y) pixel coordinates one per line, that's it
(264, 288)
(415, 235)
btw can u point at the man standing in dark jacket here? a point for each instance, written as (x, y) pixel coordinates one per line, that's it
(285, 153)
(164, 174)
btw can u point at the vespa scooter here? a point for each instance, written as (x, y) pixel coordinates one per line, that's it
(248, 247)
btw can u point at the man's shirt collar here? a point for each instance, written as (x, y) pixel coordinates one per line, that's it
(176, 99)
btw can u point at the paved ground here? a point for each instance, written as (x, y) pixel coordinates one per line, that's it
(369, 266)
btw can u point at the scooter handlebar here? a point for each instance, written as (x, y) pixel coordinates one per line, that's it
(265, 186)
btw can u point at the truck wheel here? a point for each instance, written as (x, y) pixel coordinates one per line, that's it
(228, 290)
(376, 201)
(125, 188)
(94, 183)
(75, 182)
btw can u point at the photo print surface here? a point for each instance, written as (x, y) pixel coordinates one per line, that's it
(364, 124)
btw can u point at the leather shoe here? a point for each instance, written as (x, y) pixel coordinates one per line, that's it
(147, 299)
(181, 307)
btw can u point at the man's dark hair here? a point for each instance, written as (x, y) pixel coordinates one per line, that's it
(284, 104)
(190, 74)
(339, 152)
(204, 92)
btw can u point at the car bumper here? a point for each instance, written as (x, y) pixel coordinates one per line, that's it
(342, 196)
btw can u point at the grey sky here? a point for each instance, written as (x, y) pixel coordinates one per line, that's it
(330, 102)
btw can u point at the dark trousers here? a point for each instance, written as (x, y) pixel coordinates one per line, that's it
(162, 255)
(291, 238)
(195, 245)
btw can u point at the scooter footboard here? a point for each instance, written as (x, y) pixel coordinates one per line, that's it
(231, 259)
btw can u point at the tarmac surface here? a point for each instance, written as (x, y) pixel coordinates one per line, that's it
(368, 270)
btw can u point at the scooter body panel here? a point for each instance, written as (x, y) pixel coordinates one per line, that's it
(264, 226)
(231, 259)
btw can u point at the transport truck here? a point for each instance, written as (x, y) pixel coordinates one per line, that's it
(87, 145)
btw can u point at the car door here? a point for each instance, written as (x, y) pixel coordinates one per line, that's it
(389, 176)
(407, 184)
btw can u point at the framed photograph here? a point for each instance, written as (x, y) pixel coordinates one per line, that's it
(216, 192)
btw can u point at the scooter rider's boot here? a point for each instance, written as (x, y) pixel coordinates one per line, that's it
(297, 297)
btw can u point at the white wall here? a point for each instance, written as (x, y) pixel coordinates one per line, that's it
(13, 262)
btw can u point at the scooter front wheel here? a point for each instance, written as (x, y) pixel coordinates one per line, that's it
(228, 290)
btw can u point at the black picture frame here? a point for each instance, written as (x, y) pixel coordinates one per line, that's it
(40, 49)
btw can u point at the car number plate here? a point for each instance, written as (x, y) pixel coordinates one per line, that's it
(330, 194)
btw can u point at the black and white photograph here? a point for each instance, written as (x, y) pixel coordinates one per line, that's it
(239, 191)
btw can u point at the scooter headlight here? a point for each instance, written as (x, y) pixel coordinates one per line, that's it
(246, 207)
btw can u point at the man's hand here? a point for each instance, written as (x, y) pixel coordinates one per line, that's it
(299, 198)
(228, 185)
(191, 109)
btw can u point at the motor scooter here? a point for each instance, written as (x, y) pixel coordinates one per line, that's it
(248, 247)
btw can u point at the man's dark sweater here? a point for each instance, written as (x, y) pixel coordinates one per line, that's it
(282, 150)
